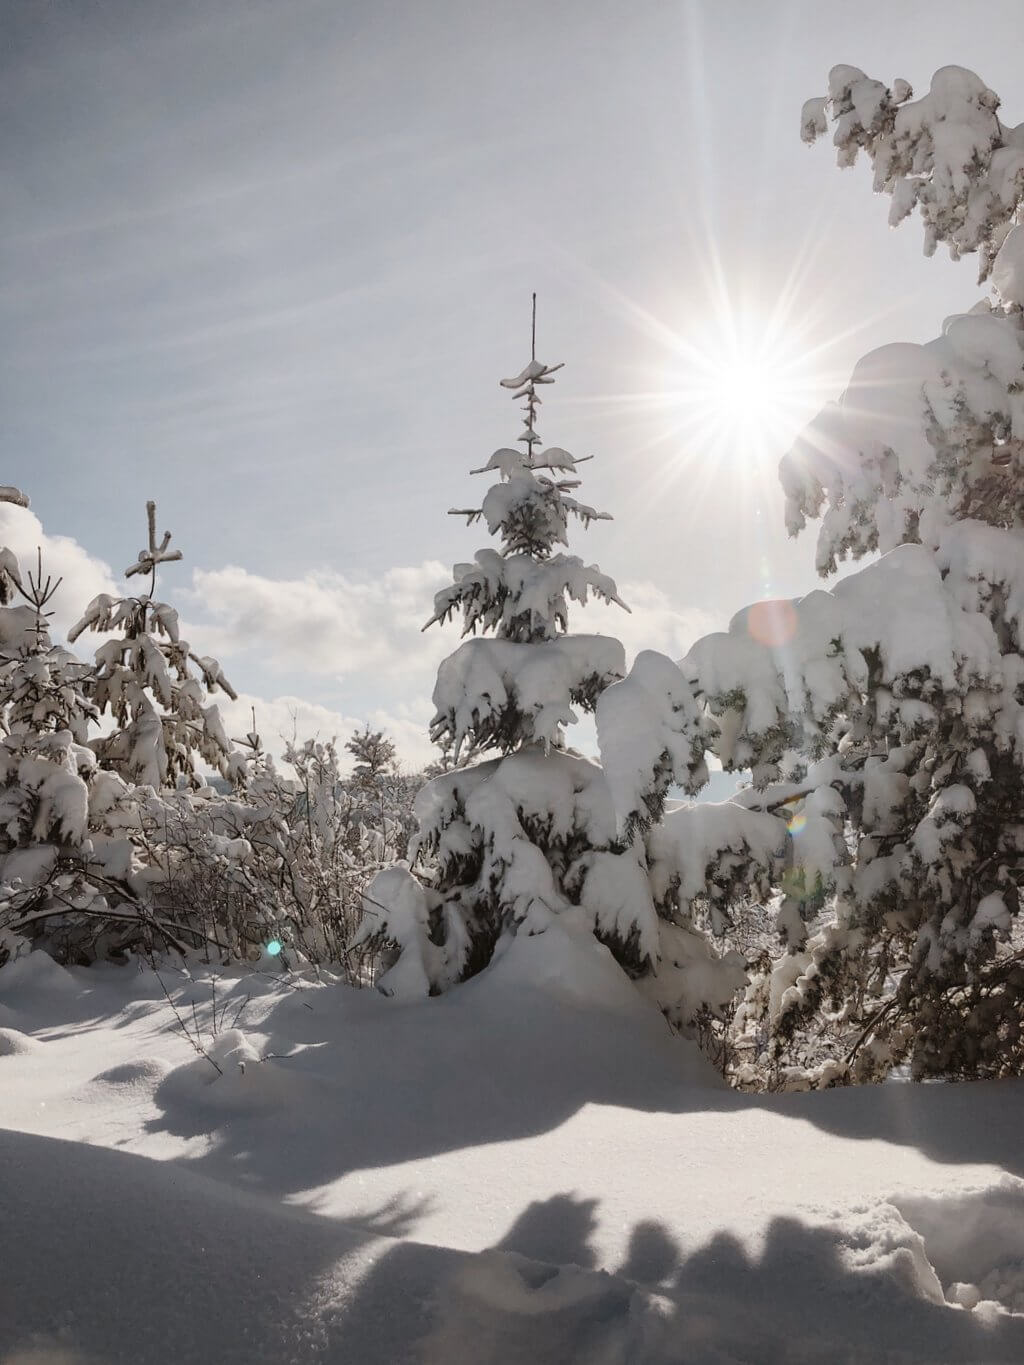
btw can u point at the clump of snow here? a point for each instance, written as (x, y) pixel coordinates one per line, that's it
(974, 1241)
(649, 724)
(13, 1043)
(501, 691)
(946, 154)
(31, 977)
(232, 1075)
(146, 1074)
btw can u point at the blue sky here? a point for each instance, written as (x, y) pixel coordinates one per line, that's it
(266, 261)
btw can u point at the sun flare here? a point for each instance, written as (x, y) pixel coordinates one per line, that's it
(741, 389)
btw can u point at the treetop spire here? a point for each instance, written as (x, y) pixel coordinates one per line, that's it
(155, 554)
(525, 386)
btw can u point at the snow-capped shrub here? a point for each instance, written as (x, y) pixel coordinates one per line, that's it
(283, 859)
(117, 843)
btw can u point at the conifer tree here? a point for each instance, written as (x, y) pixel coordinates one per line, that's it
(153, 685)
(508, 844)
(375, 757)
(884, 720)
(62, 870)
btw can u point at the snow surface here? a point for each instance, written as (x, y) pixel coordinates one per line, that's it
(527, 1169)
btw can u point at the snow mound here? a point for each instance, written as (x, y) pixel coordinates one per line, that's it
(566, 962)
(13, 1043)
(975, 1241)
(144, 1074)
(27, 976)
(232, 1075)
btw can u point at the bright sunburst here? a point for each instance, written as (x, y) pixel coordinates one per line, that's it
(732, 374)
(740, 388)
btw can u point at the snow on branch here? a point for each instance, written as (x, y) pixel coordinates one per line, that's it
(924, 435)
(946, 154)
(156, 554)
(503, 693)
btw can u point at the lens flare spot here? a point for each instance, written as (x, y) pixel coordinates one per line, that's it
(772, 623)
(797, 824)
(274, 947)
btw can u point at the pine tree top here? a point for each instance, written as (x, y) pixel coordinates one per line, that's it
(521, 590)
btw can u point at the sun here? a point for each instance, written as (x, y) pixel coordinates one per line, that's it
(732, 370)
(741, 387)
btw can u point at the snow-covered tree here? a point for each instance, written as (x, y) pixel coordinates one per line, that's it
(375, 757)
(44, 762)
(504, 837)
(884, 720)
(153, 685)
(539, 831)
(66, 860)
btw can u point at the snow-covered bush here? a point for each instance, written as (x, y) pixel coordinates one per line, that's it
(282, 860)
(509, 842)
(885, 719)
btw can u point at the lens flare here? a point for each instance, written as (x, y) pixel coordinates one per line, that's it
(274, 947)
(797, 824)
(772, 623)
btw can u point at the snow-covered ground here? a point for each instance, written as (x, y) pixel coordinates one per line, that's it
(529, 1169)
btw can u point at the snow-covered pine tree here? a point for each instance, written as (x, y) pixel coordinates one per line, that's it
(153, 685)
(381, 796)
(889, 712)
(375, 756)
(44, 762)
(508, 843)
(65, 858)
(503, 837)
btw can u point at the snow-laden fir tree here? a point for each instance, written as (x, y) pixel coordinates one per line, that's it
(884, 720)
(540, 831)
(44, 762)
(153, 685)
(65, 858)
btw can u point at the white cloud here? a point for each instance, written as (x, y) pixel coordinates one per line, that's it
(654, 621)
(326, 625)
(323, 623)
(279, 719)
(83, 574)
(332, 625)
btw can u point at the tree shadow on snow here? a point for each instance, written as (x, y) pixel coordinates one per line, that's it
(538, 1298)
(956, 1122)
(356, 1082)
(112, 1259)
(389, 1082)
